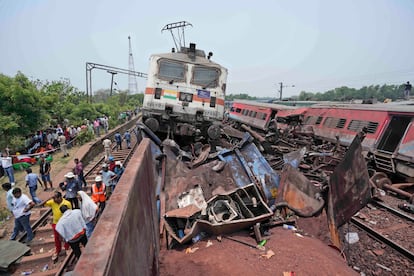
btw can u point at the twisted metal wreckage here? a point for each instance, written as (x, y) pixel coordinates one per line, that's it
(235, 188)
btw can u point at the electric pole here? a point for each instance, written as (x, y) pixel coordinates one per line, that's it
(112, 80)
(281, 89)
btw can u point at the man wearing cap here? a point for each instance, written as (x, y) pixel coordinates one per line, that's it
(98, 193)
(45, 172)
(55, 202)
(72, 187)
(21, 210)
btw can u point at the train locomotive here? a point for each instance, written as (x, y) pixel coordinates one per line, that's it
(185, 93)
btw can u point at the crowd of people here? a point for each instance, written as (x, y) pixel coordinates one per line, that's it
(74, 214)
(107, 143)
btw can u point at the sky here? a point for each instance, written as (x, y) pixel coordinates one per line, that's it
(308, 45)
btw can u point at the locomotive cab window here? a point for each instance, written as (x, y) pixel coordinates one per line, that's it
(158, 92)
(205, 76)
(171, 71)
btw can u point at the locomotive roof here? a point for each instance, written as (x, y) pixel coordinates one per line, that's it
(184, 58)
(405, 106)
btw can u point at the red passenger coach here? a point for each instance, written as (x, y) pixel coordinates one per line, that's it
(255, 114)
(390, 130)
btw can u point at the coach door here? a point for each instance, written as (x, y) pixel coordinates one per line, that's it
(393, 134)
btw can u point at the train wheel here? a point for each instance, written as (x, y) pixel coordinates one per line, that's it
(153, 124)
(380, 179)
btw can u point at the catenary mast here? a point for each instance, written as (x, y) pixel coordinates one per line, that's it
(132, 81)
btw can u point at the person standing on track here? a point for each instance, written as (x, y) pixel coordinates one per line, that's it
(72, 187)
(79, 172)
(45, 172)
(89, 211)
(107, 147)
(108, 178)
(21, 211)
(55, 202)
(31, 181)
(98, 193)
(72, 227)
(118, 140)
(127, 137)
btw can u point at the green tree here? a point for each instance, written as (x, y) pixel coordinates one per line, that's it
(21, 109)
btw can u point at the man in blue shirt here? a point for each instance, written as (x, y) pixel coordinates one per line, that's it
(118, 140)
(127, 137)
(31, 181)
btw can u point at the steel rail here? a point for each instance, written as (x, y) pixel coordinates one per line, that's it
(394, 211)
(381, 238)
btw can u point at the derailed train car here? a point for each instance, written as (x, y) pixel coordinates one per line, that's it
(185, 93)
(258, 115)
(389, 127)
(389, 130)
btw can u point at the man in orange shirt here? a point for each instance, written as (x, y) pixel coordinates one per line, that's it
(55, 202)
(98, 194)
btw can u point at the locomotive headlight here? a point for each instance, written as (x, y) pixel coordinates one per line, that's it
(186, 97)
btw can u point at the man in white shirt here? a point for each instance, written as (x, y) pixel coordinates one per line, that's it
(72, 227)
(107, 146)
(21, 206)
(7, 164)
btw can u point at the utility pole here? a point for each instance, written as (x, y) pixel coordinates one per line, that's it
(281, 88)
(112, 80)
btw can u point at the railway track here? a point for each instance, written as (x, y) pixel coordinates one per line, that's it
(386, 240)
(39, 262)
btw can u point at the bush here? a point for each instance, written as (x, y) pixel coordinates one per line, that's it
(85, 136)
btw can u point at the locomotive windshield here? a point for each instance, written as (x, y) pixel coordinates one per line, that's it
(205, 76)
(170, 70)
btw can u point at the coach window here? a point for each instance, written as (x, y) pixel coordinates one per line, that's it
(253, 114)
(205, 76)
(171, 71)
(238, 110)
(261, 115)
(319, 120)
(341, 123)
